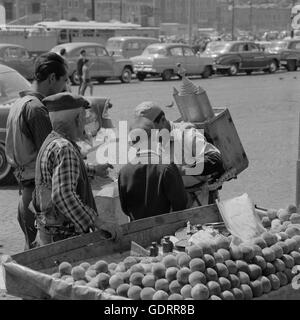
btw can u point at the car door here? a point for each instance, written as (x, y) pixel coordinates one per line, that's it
(192, 62)
(177, 57)
(91, 54)
(105, 63)
(260, 59)
(246, 56)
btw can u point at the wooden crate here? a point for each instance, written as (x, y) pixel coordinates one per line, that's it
(92, 245)
(29, 277)
(222, 133)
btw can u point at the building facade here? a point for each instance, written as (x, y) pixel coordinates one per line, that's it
(248, 15)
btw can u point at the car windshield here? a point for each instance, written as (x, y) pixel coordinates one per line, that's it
(11, 83)
(217, 47)
(151, 50)
(114, 45)
(278, 45)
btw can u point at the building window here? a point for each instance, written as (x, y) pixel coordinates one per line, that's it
(9, 10)
(36, 8)
(76, 4)
(70, 3)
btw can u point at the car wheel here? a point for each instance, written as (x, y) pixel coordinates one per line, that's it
(101, 80)
(207, 72)
(167, 75)
(291, 65)
(126, 75)
(273, 66)
(249, 72)
(6, 172)
(233, 70)
(74, 78)
(141, 76)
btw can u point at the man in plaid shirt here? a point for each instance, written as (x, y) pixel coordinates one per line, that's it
(63, 198)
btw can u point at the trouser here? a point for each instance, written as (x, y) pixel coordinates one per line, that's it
(49, 234)
(26, 217)
(84, 86)
(80, 84)
(45, 237)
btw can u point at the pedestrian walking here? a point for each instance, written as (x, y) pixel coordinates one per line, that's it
(79, 65)
(86, 79)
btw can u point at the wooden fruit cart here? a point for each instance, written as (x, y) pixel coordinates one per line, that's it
(91, 247)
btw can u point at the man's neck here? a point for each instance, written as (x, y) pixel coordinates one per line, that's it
(40, 88)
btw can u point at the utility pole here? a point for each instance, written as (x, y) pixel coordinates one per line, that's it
(93, 10)
(233, 19)
(190, 21)
(121, 10)
(251, 16)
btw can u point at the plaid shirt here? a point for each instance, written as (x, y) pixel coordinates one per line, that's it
(60, 167)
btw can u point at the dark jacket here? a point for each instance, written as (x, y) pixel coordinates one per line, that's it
(148, 190)
(29, 122)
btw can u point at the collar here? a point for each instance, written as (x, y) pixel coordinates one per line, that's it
(32, 93)
(146, 153)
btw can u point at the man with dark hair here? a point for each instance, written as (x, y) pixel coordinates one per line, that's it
(146, 187)
(80, 63)
(28, 125)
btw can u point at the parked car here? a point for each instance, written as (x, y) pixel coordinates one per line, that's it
(161, 59)
(233, 57)
(103, 65)
(288, 51)
(11, 83)
(128, 47)
(18, 58)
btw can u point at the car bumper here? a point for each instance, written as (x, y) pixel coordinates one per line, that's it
(221, 67)
(144, 69)
(283, 62)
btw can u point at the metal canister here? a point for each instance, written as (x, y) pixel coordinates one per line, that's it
(167, 245)
(154, 250)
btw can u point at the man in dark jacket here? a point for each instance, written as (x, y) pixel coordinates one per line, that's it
(149, 188)
(28, 125)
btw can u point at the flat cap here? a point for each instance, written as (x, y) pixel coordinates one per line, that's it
(65, 101)
(148, 109)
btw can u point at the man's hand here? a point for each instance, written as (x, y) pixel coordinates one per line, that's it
(101, 170)
(113, 229)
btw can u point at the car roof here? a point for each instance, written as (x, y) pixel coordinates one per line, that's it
(4, 69)
(75, 45)
(131, 38)
(169, 45)
(2, 45)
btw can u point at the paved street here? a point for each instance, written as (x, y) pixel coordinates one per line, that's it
(265, 110)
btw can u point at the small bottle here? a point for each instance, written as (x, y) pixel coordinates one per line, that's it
(167, 245)
(154, 250)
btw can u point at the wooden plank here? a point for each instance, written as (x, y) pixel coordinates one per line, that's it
(141, 231)
(283, 293)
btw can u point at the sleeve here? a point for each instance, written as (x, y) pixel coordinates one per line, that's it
(64, 183)
(90, 170)
(38, 123)
(122, 194)
(174, 188)
(213, 164)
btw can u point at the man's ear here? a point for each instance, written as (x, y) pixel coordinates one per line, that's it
(77, 120)
(51, 78)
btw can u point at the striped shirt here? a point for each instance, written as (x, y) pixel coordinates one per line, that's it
(60, 168)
